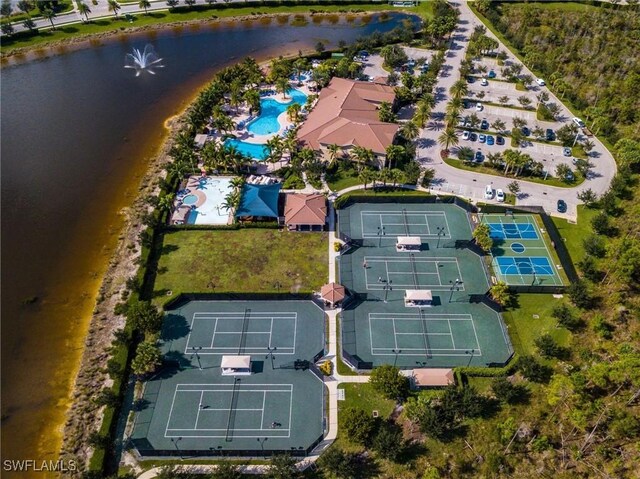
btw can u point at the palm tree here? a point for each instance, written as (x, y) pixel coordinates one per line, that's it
(422, 114)
(49, 15)
(83, 9)
(410, 130)
(451, 119)
(29, 23)
(459, 89)
(252, 99)
(474, 120)
(511, 158)
(398, 176)
(165, 202)
(293, 112)
(333, 150)
(114, 7)
(448, 138)
(282, 86)
(393, 154)
(500, 292)
(144, 4)
(362, 155)
(366, 176)
(275, 146)
(384, 176)
(499, 125)
(465, 154)
(454, 105)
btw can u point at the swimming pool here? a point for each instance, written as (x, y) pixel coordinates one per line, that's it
(190, 200)
(211, 212)
(270, 109)
(253, 150)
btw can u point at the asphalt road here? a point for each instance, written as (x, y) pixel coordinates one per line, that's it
(471, 185)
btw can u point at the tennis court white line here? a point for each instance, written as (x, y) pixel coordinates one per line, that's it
(424, 214)
(434, 353)
(451, 333)
(258, 316)
(242, 387)
(415, 315)
(239, 390)
(413, 334)
(377, 286)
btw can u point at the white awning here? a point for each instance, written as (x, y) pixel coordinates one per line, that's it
(409, 240)
(236, 362)
(418, 295)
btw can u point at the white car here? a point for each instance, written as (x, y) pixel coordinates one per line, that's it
(540, 82)
(484, 82)
(479, 107)
(579, 123)
(488, 192)
(465, 135)
(500, 195)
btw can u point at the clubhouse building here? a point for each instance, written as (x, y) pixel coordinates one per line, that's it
(346, 115)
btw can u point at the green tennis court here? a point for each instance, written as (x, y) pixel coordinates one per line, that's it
(191, 408)
(522, 254)
(456, 328)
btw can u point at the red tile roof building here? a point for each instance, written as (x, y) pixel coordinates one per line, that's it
(346, 114)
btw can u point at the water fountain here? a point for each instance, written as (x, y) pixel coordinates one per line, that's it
(145, 60)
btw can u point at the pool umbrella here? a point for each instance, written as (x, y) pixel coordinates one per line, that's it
(333, 293)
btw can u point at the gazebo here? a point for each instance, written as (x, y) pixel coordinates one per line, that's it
(333, 294)
(259, 201)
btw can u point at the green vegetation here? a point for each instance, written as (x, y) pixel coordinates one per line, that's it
(201, 12)
(479, 168)
(246, 260)
(602, 83)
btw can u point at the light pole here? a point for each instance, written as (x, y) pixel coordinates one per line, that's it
(175, 443)
(387, 287)
(195, 351)
(534, 278)
(454, 287)
(262, 440)
(381, 233)
(270, 354)
(440, 233)
(470, 353)
(396, 352)
(277, 285)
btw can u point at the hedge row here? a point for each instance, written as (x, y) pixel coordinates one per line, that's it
(489, 372)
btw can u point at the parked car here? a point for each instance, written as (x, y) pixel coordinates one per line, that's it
(574, 161)
(488, 192)
(525, 131)
(500, 195)
(491, 74)
(473, 136)
(490, 140)
(484, 82)
(424, 68)
(562, 206)
(470, 79)
(482, 138)
(569, 176)
(499, 140)
(579, 123)
(465, 134)
(479, 106)
(540, 82)
(484, 125)
(566, 151)
(550, 134)
(478, 157)
(411, 63)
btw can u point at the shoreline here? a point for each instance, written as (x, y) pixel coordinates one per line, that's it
(83, 416)
(20, 55)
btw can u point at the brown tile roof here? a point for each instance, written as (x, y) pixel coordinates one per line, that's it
(333, 292)
(433, 377)
(347, 114)
(302, 209)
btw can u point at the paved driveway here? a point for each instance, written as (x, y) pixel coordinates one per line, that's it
(470, 184)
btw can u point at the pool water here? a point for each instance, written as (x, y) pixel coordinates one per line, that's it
(270, 109)
(211, 212)
(190, 200)
(253, 150)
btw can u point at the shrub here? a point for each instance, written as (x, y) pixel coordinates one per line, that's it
(147, 359)
(548, 348)
(144, 316)
(509, 393)
(358, 425)
(389, 442)
(563, 313)
(594, 246)
(531, 369)
(579, 294)
(388, 381)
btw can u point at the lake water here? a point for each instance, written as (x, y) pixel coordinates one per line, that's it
(77, 131)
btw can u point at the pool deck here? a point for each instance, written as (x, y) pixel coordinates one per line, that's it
(242, 115)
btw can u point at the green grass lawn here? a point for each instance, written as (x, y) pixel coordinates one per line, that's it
(361, 396)
(184, 14)
(245, 260)
(574, 233)
(524, 327)
(342, 179)
(551, 181)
